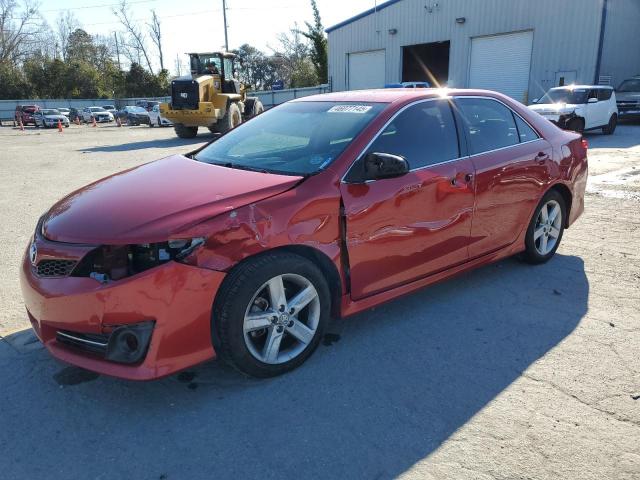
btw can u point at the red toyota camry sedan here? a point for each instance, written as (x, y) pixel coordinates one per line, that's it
(324, 206)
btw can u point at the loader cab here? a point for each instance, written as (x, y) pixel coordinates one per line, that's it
(216, 63)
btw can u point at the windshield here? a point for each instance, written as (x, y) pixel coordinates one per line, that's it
(111, 107)
(298, 138)
(565, 95)
(96, 109)
(135, 109)
(50, 111)
(632, 85)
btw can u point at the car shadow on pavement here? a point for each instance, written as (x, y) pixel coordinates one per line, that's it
(627, 135)
(156, 143)
(384, 390)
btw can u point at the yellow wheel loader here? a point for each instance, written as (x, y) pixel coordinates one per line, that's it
(210, 97)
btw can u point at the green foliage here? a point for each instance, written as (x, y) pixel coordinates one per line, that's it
(318, 53)
(14, 83)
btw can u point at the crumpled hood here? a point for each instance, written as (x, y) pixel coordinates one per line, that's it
(150, 202)
(554, 108)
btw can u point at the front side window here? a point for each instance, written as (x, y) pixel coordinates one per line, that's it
(604, 94)
(424, 134)
(299, 138)
(489, 124)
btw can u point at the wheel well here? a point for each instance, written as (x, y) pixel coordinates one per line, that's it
(567, 197)
(320, 260)
(326, 266)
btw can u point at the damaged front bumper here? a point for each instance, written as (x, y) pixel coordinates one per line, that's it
(142, 327)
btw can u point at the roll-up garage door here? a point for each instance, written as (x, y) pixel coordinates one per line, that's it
(502, 63)
(366, 70)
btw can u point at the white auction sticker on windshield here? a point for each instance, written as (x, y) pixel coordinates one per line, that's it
(350, 109)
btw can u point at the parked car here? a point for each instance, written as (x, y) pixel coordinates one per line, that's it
(99, 113)
(628, 98)
(147, 104)
(325, 205)
(75, 113)
(64, 111)
(155, 119)
(49, 117)
(134, 115)
(110, 108)
(25, 113)
(580, 107)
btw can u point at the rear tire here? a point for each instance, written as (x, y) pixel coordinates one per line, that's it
(611, 126)
(185, 132)
(576, 124)
(545, 229)
(256, 307)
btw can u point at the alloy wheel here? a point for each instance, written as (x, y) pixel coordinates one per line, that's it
(547, 228)
(281, 319)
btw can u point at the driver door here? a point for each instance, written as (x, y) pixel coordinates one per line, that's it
(401, 229)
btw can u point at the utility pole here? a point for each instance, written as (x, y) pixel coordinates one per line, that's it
(224, 15)
(115, 35)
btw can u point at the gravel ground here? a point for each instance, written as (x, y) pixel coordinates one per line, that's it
(540, 381)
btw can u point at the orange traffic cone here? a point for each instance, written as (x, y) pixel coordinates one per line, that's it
(59, 126)
(118, 122)
(21, 125)
(93, 122)
(77, 120)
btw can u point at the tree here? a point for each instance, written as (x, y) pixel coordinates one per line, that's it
(66, 23)
(255, 69)
(19, 29)
(15, 84)
(156, 36)
(318, 51)
(80, 47)
(137, 38)
(292, 60)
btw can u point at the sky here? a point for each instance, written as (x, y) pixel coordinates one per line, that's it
(197, 25)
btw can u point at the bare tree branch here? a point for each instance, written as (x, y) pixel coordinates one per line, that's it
(156, 36)
(19, 28)
(137, 37)
(66, 23)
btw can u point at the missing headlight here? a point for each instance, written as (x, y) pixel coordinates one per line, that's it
(114, 262)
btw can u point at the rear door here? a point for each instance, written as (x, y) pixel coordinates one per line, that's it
(404, 228)
(512, 165)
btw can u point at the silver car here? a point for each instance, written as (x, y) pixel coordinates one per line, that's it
(49, 117)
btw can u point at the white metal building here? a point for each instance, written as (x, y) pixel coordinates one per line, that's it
(518, 47)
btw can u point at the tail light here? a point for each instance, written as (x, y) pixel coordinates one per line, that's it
(585, 143)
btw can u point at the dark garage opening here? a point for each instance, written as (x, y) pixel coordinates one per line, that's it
(426, 62)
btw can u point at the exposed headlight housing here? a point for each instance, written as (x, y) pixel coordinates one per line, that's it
(114, 262)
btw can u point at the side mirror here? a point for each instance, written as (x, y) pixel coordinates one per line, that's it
(535, 100)
(592, 100)
(384, 165)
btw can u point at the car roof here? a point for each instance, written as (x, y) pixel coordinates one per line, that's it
(390, 95)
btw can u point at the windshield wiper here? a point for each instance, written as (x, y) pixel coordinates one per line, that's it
(240, 167)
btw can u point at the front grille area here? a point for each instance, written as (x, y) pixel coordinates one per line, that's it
(87, 342)
(55, 268)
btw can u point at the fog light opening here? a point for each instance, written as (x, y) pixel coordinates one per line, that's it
(131, 341)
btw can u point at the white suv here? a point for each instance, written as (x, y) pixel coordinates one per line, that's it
(579, 107)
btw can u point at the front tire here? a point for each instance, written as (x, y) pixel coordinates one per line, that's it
(611, 126)
(185, 132)
(545, 229)
(270, 314)
(576, 125)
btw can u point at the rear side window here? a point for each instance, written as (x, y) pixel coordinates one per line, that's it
(524, 130)
(604, 94)
(489, 124)
(424, 134)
